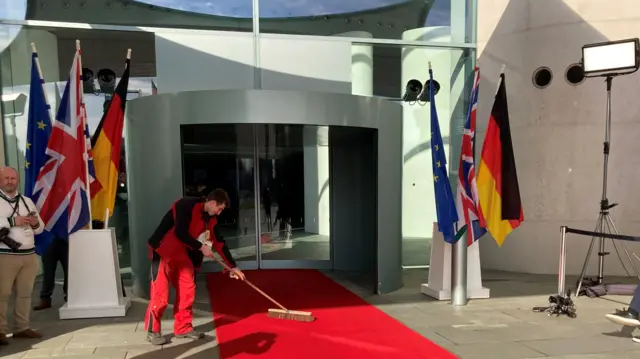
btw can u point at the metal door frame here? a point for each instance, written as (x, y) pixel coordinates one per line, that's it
(278, 264)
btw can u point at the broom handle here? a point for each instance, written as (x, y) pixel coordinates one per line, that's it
(223, 264)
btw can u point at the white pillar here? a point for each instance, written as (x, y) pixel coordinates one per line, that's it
(16, 77)
(316, 180)
(418, 201)
(361, 64)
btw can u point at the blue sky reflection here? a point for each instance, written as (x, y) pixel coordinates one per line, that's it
(439, 15)
(293, 8)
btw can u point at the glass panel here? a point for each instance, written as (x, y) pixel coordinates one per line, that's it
(229, 15)
(413, 20)
(385, 71)
(13, 9)
(294, 187)
(452, 71)
(221, 156)
(56, 48)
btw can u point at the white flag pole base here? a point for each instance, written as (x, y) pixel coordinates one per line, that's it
(439, 286)
(95, 288)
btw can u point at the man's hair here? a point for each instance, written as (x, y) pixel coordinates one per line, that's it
(5, 168)
(220, 196)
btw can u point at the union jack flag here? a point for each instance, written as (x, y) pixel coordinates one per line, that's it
(467, 191)
(63, 199)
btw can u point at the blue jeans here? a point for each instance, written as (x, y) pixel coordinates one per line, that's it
(635, 301)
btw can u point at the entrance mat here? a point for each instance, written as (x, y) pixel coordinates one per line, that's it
(346, 326)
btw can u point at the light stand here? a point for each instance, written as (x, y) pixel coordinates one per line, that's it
(608, 60)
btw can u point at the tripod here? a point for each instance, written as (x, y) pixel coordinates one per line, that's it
(605, 223)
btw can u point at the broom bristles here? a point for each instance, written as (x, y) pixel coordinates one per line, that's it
(291, 315)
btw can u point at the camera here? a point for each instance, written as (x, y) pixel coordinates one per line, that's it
(10, 242)
(559, 305)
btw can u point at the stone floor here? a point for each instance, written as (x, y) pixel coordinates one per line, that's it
(503, 327)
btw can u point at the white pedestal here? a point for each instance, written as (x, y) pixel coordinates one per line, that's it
(95, 288)
(439, 286)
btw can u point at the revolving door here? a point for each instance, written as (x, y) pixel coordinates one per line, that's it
(314, 178)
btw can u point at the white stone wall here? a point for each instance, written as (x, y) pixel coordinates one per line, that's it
(558, 131)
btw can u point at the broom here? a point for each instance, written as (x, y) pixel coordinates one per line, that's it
(282, 312)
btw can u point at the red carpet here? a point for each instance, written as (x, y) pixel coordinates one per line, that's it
(346, 327)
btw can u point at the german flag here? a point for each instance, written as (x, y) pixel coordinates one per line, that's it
(498, 190)
(106, 144)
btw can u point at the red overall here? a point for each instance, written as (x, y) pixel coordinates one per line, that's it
(173, 264)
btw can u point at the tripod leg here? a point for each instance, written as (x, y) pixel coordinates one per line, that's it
(586, 260)
(615, 246)
(615, 230)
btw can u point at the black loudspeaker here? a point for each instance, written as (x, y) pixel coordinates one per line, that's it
(88, 85)
(107, 80)
(424, 95)
(413, 89)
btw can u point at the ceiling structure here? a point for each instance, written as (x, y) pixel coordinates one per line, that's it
(273, 8)
(386, 19)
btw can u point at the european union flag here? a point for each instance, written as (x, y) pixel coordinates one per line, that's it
(445, 202)
(38, 132)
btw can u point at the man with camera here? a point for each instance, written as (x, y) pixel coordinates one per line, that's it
(19, 223)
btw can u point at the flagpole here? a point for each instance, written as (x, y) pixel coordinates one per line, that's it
(459, 295)
(37, 59)
(84, 128)
(502, 70)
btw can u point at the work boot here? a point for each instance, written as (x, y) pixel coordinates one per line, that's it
(156, 338)
(3, 339)
(44, 304)
(191, 335)
(27, 334)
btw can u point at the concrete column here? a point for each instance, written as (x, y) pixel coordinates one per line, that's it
(361, 64)
(16, 77)
(418, 202)
(316, 180)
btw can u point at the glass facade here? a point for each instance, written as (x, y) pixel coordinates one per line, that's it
(375, 48)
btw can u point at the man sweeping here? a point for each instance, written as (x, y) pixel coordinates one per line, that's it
(175, 255)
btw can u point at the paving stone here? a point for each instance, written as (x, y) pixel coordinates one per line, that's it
(83, 340)
(5, 355)
(496, 351)
(123, 352)
(613, 355)
(581, 345)
(503, 327)
(59, 352)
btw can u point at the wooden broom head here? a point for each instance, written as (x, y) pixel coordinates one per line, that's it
(291, 315)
